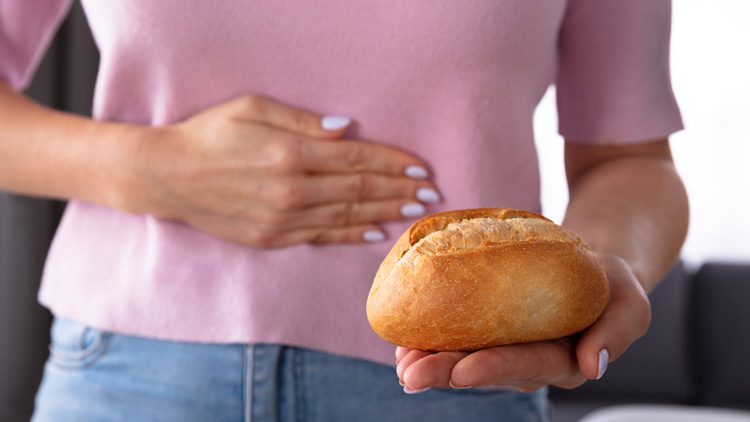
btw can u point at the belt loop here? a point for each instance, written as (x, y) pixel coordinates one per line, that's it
(262, 376)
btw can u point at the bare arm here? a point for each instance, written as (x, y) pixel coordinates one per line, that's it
(58, 155)
(630, 202)
(250, 170)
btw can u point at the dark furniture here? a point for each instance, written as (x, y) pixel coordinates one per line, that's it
(695, 353)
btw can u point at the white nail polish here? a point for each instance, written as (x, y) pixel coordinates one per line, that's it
(603, 362)
(401, 383)
(408, 390)
(450, 382)
(413, 209)
(428, 195)
(335, 122)
(416, 172)
(373, 236)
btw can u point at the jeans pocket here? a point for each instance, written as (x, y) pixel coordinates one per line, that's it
(74, 345)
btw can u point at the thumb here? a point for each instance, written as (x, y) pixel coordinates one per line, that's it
(625, 319)
(264, 110)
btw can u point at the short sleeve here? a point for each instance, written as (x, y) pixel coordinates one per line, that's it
(26, 29)
(613, 82)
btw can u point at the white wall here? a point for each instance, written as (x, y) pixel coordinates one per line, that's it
(711, 78)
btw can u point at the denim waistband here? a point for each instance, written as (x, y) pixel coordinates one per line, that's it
(99, 376)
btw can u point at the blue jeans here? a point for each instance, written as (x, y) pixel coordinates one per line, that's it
(99, 376)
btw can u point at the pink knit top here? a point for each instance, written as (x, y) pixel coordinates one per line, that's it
(455, 82)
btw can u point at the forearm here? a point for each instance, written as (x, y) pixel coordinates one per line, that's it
(633, 206)
(53, 154)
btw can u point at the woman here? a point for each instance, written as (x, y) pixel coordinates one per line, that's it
(250, 163)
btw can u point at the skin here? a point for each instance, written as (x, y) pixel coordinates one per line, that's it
(261, 173)
(629, 204)
(250, 170)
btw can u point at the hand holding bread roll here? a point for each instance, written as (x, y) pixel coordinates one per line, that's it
(472, 279)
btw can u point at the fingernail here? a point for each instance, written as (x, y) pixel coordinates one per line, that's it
(373, 236)
(335, 122)
(603, 362)
(413, 209)
(401, 383)
(428, 195)
(408, 390)
(450, 382)
(416, 172)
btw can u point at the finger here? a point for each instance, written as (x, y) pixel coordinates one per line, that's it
(324, 235)
(260, 109)
(274, 239)
(401, 352)
(344, 214)
(432, 371)
(348, 156)
(408, 359)
(547, 362)
(303, 191)
(624, 320)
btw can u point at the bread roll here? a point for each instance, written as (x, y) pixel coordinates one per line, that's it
(471, 279)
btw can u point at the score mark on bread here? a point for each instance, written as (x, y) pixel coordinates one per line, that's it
(485, 277)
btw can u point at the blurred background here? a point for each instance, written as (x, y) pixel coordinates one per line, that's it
(710, 62)
(711, 79)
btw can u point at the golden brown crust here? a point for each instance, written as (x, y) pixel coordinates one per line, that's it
(453, 281)
(437, 222)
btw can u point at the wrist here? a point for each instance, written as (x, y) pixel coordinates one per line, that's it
(130, 187)
(640, 274)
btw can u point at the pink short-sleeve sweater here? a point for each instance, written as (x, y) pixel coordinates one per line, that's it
(455, 82)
